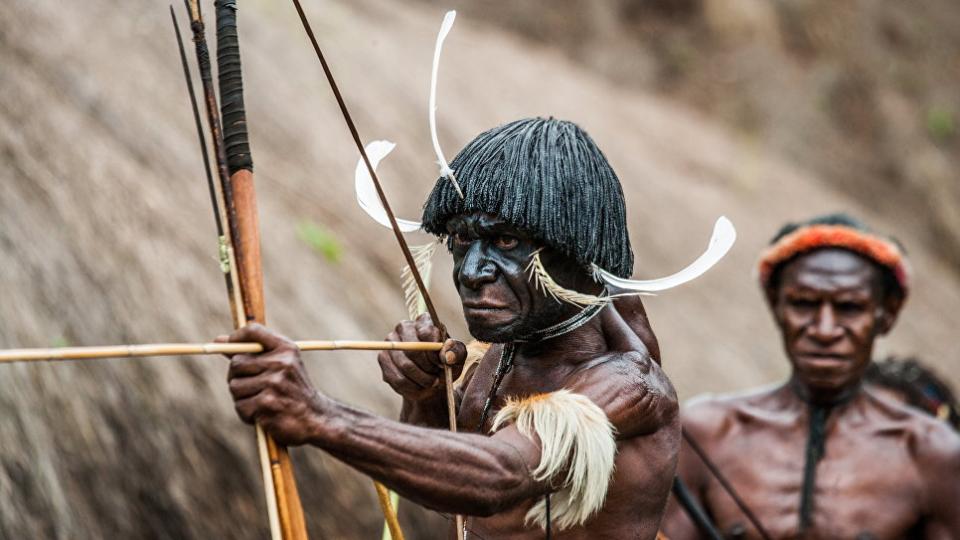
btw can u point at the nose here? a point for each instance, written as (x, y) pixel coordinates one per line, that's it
(476, 269)
(825, 327)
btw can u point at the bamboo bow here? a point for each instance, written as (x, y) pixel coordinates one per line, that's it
(240, 238)
(242, 246)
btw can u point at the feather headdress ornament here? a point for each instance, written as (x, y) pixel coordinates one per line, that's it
(528, 172)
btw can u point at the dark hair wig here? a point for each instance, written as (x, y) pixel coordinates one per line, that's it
(544, 176)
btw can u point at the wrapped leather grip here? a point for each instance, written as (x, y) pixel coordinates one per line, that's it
(233, 115)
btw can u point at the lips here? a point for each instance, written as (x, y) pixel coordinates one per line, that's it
(487, 313)
(483, 306)
(824, 363)
(824, 356)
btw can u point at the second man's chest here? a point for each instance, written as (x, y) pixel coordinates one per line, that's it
(861, 488)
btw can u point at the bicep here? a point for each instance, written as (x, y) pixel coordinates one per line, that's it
(569, 447)
(525, 449)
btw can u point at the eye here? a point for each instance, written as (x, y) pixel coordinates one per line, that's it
(850, 308)
(459, 240)
(506, 242)
(802, 303)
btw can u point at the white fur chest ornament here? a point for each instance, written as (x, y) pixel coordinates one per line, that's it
(577, 454)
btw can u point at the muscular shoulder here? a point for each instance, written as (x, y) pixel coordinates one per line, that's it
(935, 449)
(928, 439)
(715, 415)
(632, 390)
(935, 445)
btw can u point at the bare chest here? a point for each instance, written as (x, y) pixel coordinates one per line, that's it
(865, 486)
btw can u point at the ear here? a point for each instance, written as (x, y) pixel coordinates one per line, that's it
(889, 309)
(772, 294)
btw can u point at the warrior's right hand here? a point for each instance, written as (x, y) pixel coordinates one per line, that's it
(418, 376)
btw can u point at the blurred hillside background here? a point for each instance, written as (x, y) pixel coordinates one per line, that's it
(764, 111)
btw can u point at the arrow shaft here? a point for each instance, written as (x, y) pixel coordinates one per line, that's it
(196, 349)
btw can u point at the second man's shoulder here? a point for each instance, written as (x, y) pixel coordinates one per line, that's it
(711, 413)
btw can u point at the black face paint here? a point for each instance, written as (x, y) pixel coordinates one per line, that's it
(500, 302)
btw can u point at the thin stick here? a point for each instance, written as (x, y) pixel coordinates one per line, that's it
(269, 489)
(694, 511)
(724, 483)
(196, 119)
(187, 349)
(224, 205)
(226, 250)
(452, 416)
(390, 514)
(411, 262)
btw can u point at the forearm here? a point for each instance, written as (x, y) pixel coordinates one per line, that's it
(450, 472)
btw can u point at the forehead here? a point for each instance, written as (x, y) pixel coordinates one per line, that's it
(830, 270)
(480, 221)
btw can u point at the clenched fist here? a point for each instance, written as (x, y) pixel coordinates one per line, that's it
(272, 387)
(418, 376)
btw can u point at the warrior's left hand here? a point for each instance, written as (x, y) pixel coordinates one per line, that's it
(273, 387)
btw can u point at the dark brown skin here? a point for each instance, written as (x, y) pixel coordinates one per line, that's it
(888, 472)
(482, 475)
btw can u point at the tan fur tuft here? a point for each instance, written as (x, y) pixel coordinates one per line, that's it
(577, 439)
(422, 256)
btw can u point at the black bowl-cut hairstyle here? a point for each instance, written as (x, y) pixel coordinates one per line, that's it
(544, 176)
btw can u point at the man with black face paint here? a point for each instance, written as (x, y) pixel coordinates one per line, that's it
(821, 456)
(568, 427)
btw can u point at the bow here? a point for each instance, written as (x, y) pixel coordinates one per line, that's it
(240, 239)
(238, 197)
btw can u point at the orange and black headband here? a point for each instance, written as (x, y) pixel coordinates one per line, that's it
(880, 250)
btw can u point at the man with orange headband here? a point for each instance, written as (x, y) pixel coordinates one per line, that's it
(820, 456)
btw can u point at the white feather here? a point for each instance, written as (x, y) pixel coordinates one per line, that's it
(445, 169)
(367, 196)
(724, 235)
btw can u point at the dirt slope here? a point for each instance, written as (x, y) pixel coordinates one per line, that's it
(106, 237)
(865, 94)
